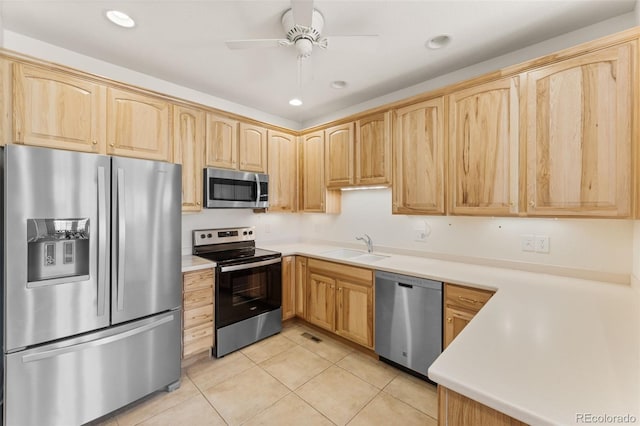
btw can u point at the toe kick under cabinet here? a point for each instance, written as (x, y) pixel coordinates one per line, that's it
(197, 311)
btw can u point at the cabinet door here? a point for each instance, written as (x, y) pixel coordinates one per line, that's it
(221, 142)
(483, 148)
(418, 185)
(253, 148)
(301, 286)
(56, 110)
(579, 116)
(456, 409)
(288, 287)
(137, 125)
(188, 150)
(282, 163)
(312, 159)
(455, 320)
(339, 155)
(373, 150)
(355, 312)
(321, 300)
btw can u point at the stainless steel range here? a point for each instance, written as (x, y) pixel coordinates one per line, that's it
(248, 287)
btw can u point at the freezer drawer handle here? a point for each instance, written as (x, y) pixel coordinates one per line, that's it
(94, 343)
(405, 285)
(249, 265)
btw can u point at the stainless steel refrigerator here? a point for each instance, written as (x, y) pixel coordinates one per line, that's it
(91, 283)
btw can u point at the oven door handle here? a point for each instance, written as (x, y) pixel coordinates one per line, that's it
(249, 265)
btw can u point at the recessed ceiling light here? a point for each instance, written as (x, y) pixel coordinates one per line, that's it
(120, 18)
(438, 42)
(339, 84)
(295, 102)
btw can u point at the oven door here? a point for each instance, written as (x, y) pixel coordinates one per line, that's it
(246, 290)
(235, 189)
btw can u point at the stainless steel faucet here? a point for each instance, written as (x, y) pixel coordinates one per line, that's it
(367, 241)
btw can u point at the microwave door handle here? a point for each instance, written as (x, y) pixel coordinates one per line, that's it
(258, 191)
(244, 266)
(102, 241)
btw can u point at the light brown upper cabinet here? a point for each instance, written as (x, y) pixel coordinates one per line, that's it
(221, 142)
(338, 142)
(579, 129)
(137, 125)
(419, 158)
(373, 150)
(188, 150)
(282, 160)
(253, 148)
(314, 196)
(57, 110)
(483, 148)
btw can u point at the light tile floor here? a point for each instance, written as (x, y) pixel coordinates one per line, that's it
(288, 379)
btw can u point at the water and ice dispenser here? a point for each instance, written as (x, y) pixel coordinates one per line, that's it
(58, 251)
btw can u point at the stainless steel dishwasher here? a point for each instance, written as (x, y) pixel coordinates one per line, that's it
(408, 320)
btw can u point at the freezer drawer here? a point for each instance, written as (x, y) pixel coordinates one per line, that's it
(75, 381)
(408, 320)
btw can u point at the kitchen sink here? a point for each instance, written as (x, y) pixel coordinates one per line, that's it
(356, 255)
(369, 257)
(343, 253)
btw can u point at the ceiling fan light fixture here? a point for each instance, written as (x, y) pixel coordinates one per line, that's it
(438, 42)
(295, 102)
(121, 19)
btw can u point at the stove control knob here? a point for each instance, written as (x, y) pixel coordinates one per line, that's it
(209, 235)
(244, 233)
(250, 232)
(202, 235)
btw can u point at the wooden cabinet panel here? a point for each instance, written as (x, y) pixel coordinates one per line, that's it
(198, 280)
(282, 161)
(578, 142)
(419, 159)
(57, 110)
(188, 150)
(456, 409)
(137, 125)
(339, 146)
(460, 306)
(314, 195)
(197, 339)
(352, 273)
(455, 320)
(197, 316)
(253, 148)
(483, 148)
(301, 286)
(288, 287)
(355, 312)
(321, 300)
(197, 311)
(197, 298)
(373, 150)
(221, 142)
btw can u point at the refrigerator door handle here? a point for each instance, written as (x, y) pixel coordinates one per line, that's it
(94, 343)
(258, 192)
(121, 240)
(102, 242)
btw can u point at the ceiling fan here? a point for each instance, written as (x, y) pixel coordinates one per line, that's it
(302, 25)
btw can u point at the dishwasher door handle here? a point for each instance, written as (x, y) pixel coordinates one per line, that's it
(405, 285)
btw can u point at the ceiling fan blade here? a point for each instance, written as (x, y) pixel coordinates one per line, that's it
(357, 43)
(302, 12)
(256, 43)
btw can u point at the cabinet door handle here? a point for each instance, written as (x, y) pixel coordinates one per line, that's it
(466, 299)
(532, 203)
(95, 142)
(449, 320)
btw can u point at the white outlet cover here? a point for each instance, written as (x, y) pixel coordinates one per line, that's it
(542, 244)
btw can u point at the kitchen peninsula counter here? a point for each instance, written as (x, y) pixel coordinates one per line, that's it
(546, 349)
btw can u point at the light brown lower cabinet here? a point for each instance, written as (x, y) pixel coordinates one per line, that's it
(197, 308)
(340, 300)
(301, 286)
(458, 410)
(288, 287)
(460, 306)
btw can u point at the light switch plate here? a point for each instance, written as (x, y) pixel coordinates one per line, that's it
(527, 242)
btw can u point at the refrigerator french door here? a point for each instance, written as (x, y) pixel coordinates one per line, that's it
(91, 283)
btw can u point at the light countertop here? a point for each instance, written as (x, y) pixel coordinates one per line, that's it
(194, 263)
(545, 349)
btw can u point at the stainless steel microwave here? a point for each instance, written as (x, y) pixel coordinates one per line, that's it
(228, 189)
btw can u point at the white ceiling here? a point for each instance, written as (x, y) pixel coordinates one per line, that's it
(183, 42)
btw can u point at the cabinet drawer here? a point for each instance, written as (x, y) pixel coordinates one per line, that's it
(197, 316)
(195, 299)
(198, 339)
(196, 280)
(365, 276)
(466, 297)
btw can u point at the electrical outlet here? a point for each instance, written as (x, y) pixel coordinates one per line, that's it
(527, 242)
(420, 235)
(542, 244)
